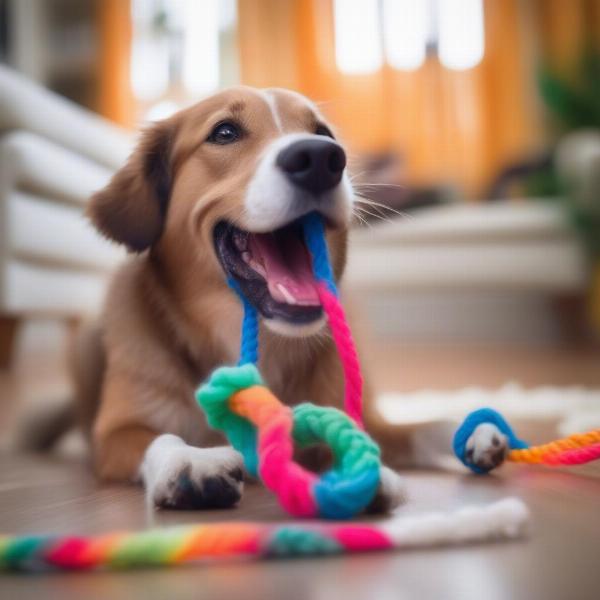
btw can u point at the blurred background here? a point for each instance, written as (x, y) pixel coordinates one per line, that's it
(473, 127)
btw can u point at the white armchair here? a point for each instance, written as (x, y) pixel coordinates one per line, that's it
(53, 155)
(504, 271)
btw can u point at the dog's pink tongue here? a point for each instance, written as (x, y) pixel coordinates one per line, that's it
(288, 270)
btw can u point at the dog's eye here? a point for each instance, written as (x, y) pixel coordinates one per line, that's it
(225, 133)
(324, 130)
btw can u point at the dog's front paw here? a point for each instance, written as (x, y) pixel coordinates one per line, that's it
(391, 492)
(182, 477)
(487, 447)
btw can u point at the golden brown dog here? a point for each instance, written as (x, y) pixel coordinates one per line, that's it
(212, 193)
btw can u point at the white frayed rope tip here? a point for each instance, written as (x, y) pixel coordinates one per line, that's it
(505, 519)
(511, 517)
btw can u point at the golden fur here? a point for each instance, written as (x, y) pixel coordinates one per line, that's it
(169, 316)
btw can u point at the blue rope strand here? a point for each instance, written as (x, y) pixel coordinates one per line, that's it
(473, 420)
(314, 236)
(249, 337)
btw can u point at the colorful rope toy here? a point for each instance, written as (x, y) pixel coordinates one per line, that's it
(193, 543)
(576, 449)
(264, 431)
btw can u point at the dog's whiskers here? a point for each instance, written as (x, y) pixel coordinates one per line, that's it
(375, 184)
(364, 200)
(376, 215)
(378, 208)
(354, 176)
(362, 220)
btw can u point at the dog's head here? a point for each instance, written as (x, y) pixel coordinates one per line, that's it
(217, 190)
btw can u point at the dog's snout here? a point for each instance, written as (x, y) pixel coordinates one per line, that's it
(316, 165)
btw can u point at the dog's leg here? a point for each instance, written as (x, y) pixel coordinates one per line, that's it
(487, 447)
(176, 475)
(118, 452)
(432, 446)
(391, 493)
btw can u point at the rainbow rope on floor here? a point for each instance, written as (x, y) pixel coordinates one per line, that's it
(264, 431)
(577, 449)
(208, 542)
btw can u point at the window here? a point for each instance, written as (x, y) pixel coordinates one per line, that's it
(406, 27)
(181, 50)
(461, 33)
(403, 32)
(357, 36)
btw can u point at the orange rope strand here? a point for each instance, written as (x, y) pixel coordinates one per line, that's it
(537, 454)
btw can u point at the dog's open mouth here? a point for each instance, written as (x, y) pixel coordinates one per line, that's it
(273, 271)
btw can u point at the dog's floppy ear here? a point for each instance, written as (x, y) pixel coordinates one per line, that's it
(131, 209)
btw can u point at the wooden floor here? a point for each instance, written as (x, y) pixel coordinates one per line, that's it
(559, 560)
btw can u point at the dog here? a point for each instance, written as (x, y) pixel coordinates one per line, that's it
(214, 193)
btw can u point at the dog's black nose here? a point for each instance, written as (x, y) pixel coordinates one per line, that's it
(316, 165)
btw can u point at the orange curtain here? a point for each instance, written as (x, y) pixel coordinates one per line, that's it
(115, 98)
(459, 127)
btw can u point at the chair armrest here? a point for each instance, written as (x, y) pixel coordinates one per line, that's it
(30, 162)
(26, 105)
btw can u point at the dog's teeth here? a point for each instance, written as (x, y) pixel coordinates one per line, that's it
(286, 294)
(258, 268)
(254, 265)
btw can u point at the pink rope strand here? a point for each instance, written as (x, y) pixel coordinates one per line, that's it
(347, 353)
(576, 456)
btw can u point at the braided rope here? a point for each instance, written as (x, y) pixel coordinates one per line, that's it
(578, 456)
(576, 449)
(249, 337)
(347, 352)
(314, 236)
(576, 440)
(235, 399)
(204, 542)
(249, 342)
(263, 430)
